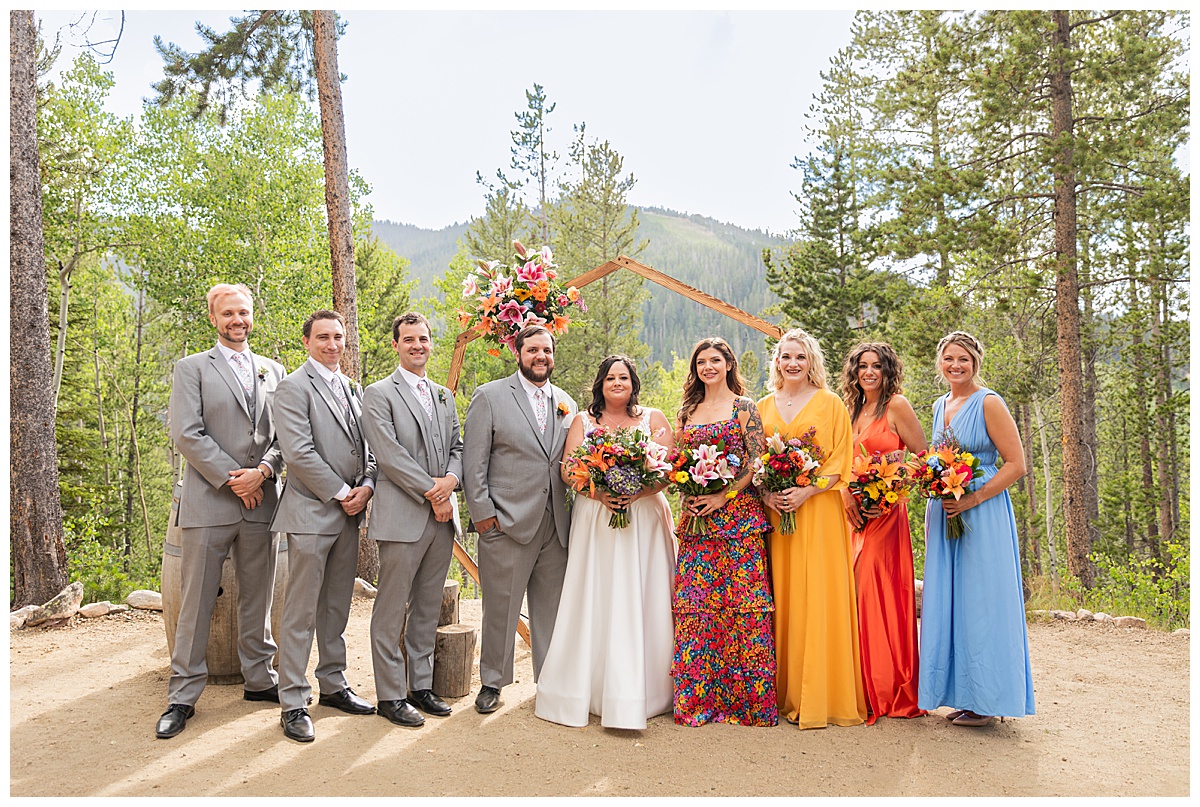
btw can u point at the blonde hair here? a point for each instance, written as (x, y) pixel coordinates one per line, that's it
(968, 343)
(222, 289)
(816, 359)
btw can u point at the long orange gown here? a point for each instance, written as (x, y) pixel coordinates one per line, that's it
(818, 675)
(887, 614)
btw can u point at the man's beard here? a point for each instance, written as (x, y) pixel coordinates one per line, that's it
(528, 372)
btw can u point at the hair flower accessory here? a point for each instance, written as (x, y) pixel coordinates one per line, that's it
(504, 298)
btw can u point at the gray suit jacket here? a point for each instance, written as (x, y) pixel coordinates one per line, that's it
(321, 451)
(409, 452)
(209, 422)
(510, 466)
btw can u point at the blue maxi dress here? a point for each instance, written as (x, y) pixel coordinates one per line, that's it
(974, 647)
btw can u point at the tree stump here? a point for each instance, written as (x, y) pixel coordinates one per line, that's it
(449, 614)
(452, 659)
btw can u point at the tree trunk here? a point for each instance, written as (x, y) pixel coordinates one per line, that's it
(1074, 442)
(337, 211)
(1087, 411)
(337, 182)
(39, 560)
(1162, 397)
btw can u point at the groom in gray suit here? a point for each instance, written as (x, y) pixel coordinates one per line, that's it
(513, 444)
(221, 422)
(330, 479)
(412, 426)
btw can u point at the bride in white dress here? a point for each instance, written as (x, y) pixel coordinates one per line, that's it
(613, 639)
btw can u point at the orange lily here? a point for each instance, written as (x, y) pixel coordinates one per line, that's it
(953, 482)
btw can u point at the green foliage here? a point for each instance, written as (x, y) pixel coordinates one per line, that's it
(106, 573)
(593, 223)
(271, 49)
(244, 203)
(1157, 591)
(383, 292)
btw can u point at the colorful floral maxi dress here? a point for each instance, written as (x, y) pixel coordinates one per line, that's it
(724, 663)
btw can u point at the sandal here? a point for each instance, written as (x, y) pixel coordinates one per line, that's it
(969, 718)
(957, 713)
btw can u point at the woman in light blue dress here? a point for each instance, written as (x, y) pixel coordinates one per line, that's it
(974, 648)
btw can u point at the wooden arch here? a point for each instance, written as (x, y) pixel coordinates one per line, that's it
(607, 268)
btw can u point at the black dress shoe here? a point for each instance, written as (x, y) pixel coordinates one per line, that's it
(401, 713)
(271, 694)
(297, 725)
(348, 702)
(427, 702)
(488, 700)
(173, 720)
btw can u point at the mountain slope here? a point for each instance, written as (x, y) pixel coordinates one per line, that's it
(723, 260)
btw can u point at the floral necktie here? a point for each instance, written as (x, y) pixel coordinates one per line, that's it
(243, 374)
(539, 408)
(426, 400)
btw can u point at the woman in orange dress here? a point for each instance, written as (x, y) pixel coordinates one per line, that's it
(818, 676)
(884, 421)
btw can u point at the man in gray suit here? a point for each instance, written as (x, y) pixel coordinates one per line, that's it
(513, 444)
(331, 477)
(412, 426)
(220, 420)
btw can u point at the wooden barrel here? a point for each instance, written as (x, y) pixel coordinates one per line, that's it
(224, 667)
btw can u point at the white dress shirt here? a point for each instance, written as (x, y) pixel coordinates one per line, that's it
(531, 390)
(228, 353)
(327, 376)
(412, 379)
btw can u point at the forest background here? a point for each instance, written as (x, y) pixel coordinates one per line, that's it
(1018, 174)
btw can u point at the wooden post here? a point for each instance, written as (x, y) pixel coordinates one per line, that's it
(454, 655)
(449, 614)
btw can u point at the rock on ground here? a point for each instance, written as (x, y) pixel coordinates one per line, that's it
(95, 609)
(144, 599)
(363, 589)
(1129, 622)
(61, 608)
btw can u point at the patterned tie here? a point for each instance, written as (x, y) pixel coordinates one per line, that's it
(339, 392)
(243, 374)
(539, 408)
(426, 400)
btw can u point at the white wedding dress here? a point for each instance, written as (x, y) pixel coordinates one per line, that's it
(614, 636)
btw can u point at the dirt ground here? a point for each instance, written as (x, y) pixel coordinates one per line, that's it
(1113, 720)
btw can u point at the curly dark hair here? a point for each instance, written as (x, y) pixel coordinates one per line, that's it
(693, 387)
(893, 374)
(597, 404)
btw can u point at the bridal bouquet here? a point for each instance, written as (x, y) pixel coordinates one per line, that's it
(943, 471)
(790, 464)
(878, 483)
(701, 470)
(621, 463)
(504, 298)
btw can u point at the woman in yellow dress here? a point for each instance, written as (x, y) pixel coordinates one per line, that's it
(818, 674)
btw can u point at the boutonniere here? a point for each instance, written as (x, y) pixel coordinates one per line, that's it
(262, 372)
(441, 396)
(563, 409)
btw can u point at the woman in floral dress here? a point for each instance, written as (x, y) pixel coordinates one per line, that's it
(724, 662)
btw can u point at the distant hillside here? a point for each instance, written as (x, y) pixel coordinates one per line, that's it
(721, 259)
(429, 251)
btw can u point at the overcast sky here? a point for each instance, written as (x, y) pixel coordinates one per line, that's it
(706, 107)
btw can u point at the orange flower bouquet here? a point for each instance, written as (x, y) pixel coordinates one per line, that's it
(942, 472)
(504, 298)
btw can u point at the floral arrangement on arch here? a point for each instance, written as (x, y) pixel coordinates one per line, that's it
(508, 297)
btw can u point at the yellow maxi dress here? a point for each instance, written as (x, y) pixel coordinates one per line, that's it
(818, 675)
